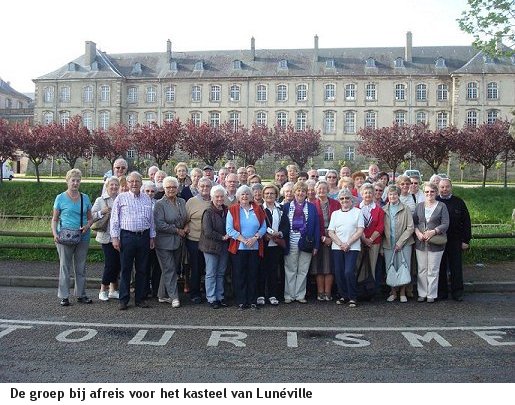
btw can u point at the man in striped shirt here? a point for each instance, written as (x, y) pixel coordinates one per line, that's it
(132, 233)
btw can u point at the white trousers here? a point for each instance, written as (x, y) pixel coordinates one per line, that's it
(428, 271)
(296, 267)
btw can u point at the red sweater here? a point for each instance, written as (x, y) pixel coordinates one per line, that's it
(376, 224)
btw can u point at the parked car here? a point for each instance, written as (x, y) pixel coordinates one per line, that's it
(413, 172)
(7, 173)
(443, 175)
(322, 173)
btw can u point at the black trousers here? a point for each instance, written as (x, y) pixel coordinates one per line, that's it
(134, 250)
(268, 283)
(244, 276)
(452, 261)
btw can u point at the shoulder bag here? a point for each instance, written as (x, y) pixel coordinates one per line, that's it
(71, 237)
(101, 225)
(438, 240)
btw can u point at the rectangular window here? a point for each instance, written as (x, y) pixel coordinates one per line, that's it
(64, 96)
(329, 154)
(421, 92)
(214, 119)
(330, 122)
(196, 93)
(196, 118)
(350, 92)
(350, 122)
(150, 116)
(442, 92)
(421, 117)
(282, 92)
(87, 94)
(302, 92)
(301, 120)
(492, 116)
(370, 92)
(261, 92)
(169, 116)
(48, 95)
(132, 120)
(330, 92)
(491, 91)
(472, 93)
(64, 117)
(215, 94)
(442, 120)
(48, 117)
(350, 153)
(261, 118)
(472, 118)
(151, 94)
(400, 92)
(400, 117)
(105, 93)
(132, 95)
(282, 119)
(234, 93)
(170, 94)
(87, 120)
(234, 120)
(103, 120)
(370, 119)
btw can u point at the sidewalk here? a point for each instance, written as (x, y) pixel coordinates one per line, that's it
(499, 277)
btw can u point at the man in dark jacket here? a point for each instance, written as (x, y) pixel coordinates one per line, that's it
(458, 239)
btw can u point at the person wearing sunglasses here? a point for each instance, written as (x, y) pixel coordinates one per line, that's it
(415, 189)
(345, 229)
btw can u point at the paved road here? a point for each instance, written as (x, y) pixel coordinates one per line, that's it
(472, 341)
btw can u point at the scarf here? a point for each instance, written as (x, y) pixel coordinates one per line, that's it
(299, 220)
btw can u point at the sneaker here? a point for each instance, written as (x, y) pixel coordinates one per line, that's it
(196, 300)
(321, 297)
(65, 302)
(302, 300)
(328, 297)
(340, 301)
(260, 301)
(176, 303)
(287, 300)
(254, 307)
(102, 296)
(273, 301)
(353, 304)
(430, 300)
(403, 298)
(391, 298)
(84, 300)
(114, 295)
(165, 300)
(421, 299)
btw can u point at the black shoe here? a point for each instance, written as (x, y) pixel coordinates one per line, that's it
(122, 306)
(222, 303)
(85, 300)
(458, 298)
(214, 304)
(142, 304)
(241, 307)
(65, 302)
(196, 300)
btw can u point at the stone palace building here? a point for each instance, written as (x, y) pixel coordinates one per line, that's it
(337, 91)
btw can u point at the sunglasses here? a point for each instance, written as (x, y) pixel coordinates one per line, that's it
(344, 198)
(378, 190)
(414, 182)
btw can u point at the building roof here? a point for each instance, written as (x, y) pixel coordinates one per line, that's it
(5, 88)
(280, 63)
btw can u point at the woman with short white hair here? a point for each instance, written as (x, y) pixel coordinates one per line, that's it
(170, 220)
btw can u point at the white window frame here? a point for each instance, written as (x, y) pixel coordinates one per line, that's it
(421, 92)
(330, 92)
(442, 92)
(370, 119)
(64, 117)
(235, 92)
(132, 119)
(48, 94)
(442, 119)
(370, 92)
(150, 116)
(282, 119)
(234, 119)
(170, 93)
(262, 118)
(400, 92)
(151, 94)
(48, 117)
(421, 117)
(87, 94)
(169, 116)
(301, 120)
(132, 94)
(472, 91)
(492, 91)
(261, 92)
(301, 91)
(350, 92)
(472, 118)
(349, 122)
(329, 153)
(196, 93)
(105, 93)
(350, 153)
(492, 116)
(87, 120)
(196, 118)
(282, 92)
(103, 120)
(400, 117)
(215, 93)
(215, 119)
(65, 94)
(330, 122)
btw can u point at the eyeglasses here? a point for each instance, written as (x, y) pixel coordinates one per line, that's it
(414, 182)
(119, 167)
(344, 198)
(378, 190)
(330, 177)
(429, 192)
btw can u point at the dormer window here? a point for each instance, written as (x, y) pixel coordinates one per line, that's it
(329, 64)
(94, 66)
(199, 66)
(173, 66)
(370, 63)
(136, 69)
(236, 64)
(399, 63)
(283, 64)
(440, 62)
(488, 59)
(72, 67)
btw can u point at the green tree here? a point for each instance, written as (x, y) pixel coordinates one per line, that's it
(490, 21)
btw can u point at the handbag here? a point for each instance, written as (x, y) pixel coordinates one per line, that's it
(306, 243)
(438, 240)
(101, 225)
(71, 237)
(396, 277)
(365, 282)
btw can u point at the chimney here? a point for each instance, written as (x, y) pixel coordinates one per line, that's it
(169, 49)
(253, 48)
(315, 52)
(91, 53)
(408, 56)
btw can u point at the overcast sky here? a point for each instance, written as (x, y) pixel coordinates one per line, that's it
(39, 36)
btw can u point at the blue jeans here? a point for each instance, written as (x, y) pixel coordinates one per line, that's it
(345, 272)
(134, 250)
(215, 275)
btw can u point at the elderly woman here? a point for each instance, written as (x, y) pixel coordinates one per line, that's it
(373, 216)
(303, 244)
(213, 243)
(246, 226)
(153, 273)
(181, 173)
(346, 182)
(195, 208)
(435, 179)
(345, 229)
(398, 237)
(332, 182)
(311, 193)
(72, 210)
(359, 178)
(253, 179)
(275, 241)
(322, 263)
(101, 211)
(196, 175)
(170, 221)
(257, 193)
(379, 188)
(431, 220)
(286, 192)
(408, 199)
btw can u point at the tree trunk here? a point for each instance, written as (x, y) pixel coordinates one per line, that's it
(36, 165)
(484, 176)
(506, 170)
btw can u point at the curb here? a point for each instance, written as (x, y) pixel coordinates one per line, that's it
(52, 282)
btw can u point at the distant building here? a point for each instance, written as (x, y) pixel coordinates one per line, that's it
(337, 91)
(15, 106)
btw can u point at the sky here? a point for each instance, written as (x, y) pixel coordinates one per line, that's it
(41, 36)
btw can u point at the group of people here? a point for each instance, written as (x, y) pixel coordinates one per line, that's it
(266, 239)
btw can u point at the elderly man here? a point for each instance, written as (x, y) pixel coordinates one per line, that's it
(231, 185)
(152, 170)
(222, 174)
(459, 234)
(345, 171)
(132, 234)
(281, 177)
(373, 171)
(195, 207)
(242, 176)
(119, 169)
(231, 166)
(313, 174)
(209, 172)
